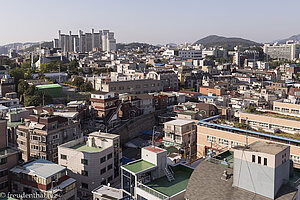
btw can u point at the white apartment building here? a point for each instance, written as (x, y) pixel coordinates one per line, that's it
(102, 40)
(184, 54)
(289, 51)
(92, 161)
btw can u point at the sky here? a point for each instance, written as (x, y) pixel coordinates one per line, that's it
(151, 21)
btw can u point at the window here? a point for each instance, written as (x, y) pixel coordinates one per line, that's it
(223, 141)
(64, 157)
(211, 139)
(84, 173)
(3, 161)
(103, 159)
(138, 86)
(285, 110)
(253, 158)
(109, 156)
(295, 111)
(4, 173)
(259, 160)
(277, 109)
(84, 161)
(145, 85)
(109, 179)
(121, 88)
(85, 185)
(109, 167)
(4, 185)
(103, 170)
(265, 161)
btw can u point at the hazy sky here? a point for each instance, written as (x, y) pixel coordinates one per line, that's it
(152, 21)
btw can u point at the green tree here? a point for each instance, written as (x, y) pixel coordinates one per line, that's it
(86, 87)
(17, 73)
(78, 81)
(34, 100)
(22, 86)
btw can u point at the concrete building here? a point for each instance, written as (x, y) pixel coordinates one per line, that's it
(152, 178)
(289, 51)
(92, 161)
(181, 134)
(132, 87)
(40, 135)
(272, 121)
(217, 138)
(261, 171)
(169, 78)
(93, 41)
(9, 157)
(107, 192)
(104, 102)
(44, 179)
(184, 54)
(272, 159)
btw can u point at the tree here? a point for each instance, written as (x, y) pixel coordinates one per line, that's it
(17, 73)
(34, 100)
(78, 81)
(22, 86)
(86, 87)
(30, 91)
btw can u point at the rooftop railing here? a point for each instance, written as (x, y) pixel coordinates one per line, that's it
(152, 191)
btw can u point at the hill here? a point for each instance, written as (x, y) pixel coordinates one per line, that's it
(134, 45)
(226, 42)
(283, 41)
(44, 44)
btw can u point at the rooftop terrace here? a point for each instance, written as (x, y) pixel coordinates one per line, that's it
(139, 166)
(181, 175)
(85, 148)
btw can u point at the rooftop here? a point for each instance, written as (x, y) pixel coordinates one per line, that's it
(42, 168)
(179, 122)
(138, 166)
(86, 148)
(155, 149)
(48, 86)
(106, 191)
(181, 175)
(264, 147)
(206, 180)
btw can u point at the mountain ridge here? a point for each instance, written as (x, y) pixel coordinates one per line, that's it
(226, 42)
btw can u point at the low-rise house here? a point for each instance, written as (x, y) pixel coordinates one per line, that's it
(181, 134)
(152, 178)
(45, 179)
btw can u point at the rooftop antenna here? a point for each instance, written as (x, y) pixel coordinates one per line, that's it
(153, 135)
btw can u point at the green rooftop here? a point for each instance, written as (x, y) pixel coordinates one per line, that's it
(181, 174)
(139, 166)
(85, 148)
(48, 86)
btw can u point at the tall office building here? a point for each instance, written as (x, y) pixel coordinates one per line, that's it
(85, 42)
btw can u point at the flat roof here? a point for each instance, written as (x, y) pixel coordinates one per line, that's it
(181, 174)
(139, 166)
(179, 122)
(155, 149)
(107, 191)
(48, 86)
(85, 148)
(250, 132)
(42, 168)
(264, 147)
